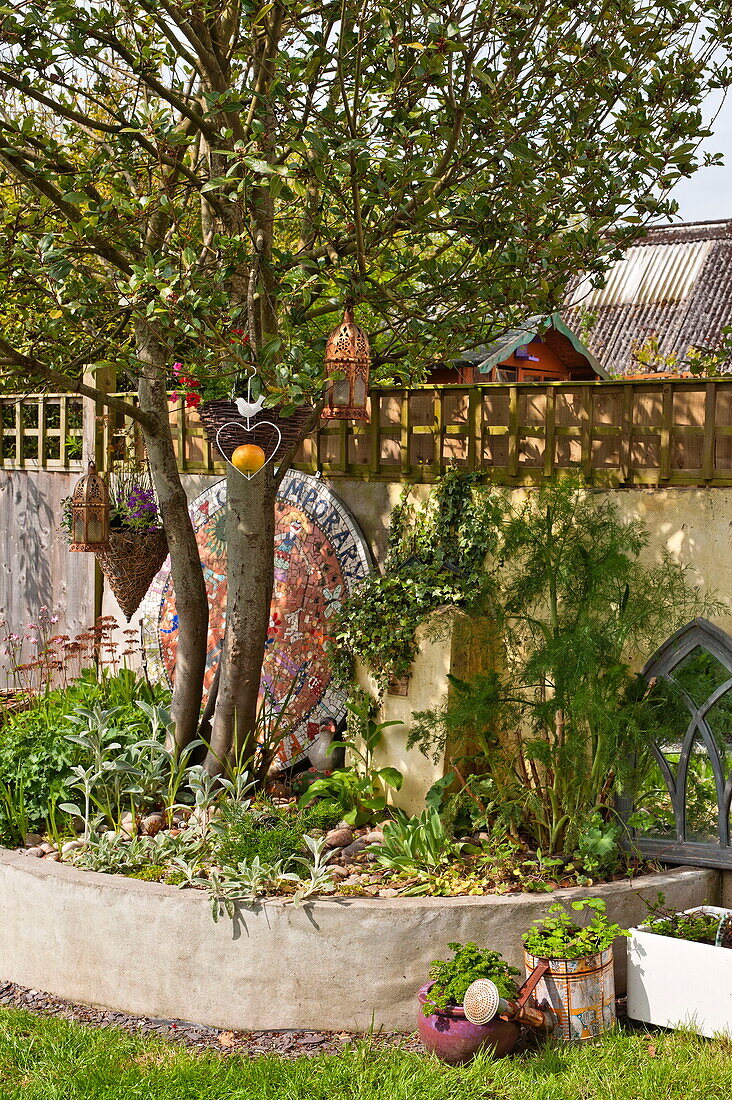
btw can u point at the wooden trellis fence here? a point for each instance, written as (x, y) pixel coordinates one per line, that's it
(675, 432)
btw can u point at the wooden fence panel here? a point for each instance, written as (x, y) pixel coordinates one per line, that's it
(665, 432)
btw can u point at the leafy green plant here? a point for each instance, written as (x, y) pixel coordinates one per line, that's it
(451, 978)
(360, 790)
(267, 832)
(558, 937)
(415, 844)
(695, 927)
(435, 559)
(14, 810)
(35, 753)
(560, 724)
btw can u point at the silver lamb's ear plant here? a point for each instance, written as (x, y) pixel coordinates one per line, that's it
(160, 719)
(319, 879)
(238, 786)
(174, 764)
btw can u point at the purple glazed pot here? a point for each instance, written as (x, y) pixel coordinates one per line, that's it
(454, 1039)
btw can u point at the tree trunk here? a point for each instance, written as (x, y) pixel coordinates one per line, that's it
(185, 563)
(250, 577)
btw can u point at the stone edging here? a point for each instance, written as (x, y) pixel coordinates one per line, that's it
(335, 963)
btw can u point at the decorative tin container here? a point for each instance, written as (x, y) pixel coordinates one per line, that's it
(581, 992)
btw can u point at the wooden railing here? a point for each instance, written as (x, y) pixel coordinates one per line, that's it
(613, 433)
(675, 432)
(43, 431)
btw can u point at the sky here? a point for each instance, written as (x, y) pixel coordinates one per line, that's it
(708, 194)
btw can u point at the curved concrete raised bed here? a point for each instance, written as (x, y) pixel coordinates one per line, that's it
(334, 964)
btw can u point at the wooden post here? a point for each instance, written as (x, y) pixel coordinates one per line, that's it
(587, 413)
(549, 430)
(473, 435)
(19, 459)
(437, 426)
(627, 433)
(375, 429)
(343, 436)
(405, 420)
(710, 416)
(664, 472)
(513, 431)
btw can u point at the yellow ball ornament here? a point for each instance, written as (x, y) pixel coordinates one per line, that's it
(248, 458)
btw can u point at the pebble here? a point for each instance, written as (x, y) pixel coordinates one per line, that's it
(353, 849)
(339, 838)
(351, 880)
(127, 825)
(72, 846)
(35, 851)
(337, 871)
(276, 789)
(388, 892)
(46, 848)
(176, 1033)
(375, 837)
(32, 840)
(152, 824)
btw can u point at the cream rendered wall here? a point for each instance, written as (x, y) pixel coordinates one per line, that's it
(693, 525)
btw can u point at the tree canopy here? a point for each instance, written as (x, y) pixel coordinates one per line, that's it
(250, 165)
(207, 181)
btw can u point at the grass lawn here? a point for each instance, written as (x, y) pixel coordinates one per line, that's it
(47, 1059)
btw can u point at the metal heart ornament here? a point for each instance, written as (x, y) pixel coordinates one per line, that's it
(235, 434)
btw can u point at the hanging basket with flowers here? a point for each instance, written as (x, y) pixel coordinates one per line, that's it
(229, 401)
(134, 547)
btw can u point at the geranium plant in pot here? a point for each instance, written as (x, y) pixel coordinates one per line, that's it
(579, 982)
(680, 969)
(443, 1026)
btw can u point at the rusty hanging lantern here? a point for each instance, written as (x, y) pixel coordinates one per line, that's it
(347, 359)
(90, 512)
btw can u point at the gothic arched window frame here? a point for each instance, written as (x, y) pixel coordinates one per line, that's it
(703, 635)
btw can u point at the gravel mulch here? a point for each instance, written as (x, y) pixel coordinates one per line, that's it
(287, 1044)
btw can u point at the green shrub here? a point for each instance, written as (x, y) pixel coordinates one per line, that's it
(35, 755)
(558, 937)
(270, 832)
(470, 962)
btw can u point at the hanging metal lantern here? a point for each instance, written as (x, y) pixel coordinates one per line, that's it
(347, 360)
(90, 512)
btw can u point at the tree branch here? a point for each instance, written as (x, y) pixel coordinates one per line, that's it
(67, 384)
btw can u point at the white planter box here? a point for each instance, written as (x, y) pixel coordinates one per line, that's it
(676, 983)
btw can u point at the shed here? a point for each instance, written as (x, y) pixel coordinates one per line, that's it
(546, 349)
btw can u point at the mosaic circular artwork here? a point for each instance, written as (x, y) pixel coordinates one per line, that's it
(320, 555)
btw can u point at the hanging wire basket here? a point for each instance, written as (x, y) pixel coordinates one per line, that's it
(133, 558)
(223, 414)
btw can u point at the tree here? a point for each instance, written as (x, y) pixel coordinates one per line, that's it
(182, 168)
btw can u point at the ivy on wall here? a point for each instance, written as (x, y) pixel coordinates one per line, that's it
(436, 555)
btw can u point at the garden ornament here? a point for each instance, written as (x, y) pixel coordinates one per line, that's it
(246, 456)
(482, 1003)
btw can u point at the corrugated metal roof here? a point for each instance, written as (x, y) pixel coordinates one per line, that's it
(675, 285)
(663, 274)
